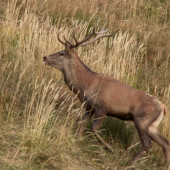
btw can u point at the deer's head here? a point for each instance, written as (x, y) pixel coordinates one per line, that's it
(61, 59)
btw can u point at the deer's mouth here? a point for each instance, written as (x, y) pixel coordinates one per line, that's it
(46, 61)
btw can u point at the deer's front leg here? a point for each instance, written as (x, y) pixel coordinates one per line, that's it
(99, 115)
(85, 118)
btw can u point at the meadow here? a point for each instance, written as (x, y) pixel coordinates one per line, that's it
(39, 116)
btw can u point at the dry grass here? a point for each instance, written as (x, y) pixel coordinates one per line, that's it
(38, 115)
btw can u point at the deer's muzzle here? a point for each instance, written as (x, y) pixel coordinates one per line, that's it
(46, 61)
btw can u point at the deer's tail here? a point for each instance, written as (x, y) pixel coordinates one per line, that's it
(165, 110)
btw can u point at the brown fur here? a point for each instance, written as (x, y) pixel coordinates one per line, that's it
(105, 95)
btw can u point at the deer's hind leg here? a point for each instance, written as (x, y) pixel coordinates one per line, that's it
(156, 137)
(142, 128)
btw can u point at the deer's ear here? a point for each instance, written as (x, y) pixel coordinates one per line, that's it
(71, 53)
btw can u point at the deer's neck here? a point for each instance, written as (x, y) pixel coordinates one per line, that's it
(78, 77)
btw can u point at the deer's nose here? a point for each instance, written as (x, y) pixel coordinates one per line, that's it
(44, 58)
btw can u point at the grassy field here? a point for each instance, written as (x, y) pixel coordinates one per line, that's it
(39, 116)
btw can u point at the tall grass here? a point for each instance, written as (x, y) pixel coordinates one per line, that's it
(39, 115)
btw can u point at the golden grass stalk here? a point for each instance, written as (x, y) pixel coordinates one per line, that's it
(38, 113)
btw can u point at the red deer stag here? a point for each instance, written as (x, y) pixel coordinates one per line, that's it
(105, 95)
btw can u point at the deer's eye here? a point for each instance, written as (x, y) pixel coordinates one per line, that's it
(61, 54)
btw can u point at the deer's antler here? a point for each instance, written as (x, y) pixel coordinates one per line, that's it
(101, 33)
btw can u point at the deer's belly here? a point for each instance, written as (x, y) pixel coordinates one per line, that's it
(121, 116)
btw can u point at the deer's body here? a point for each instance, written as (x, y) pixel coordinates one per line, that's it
(100, 90)
(104, 95)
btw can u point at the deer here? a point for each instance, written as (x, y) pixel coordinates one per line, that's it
(105, 96)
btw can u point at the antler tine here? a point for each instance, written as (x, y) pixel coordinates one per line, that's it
(59, 38)
(74, 35)
(99, 36)
(81, 42)
(102, 29)
(102, 32)
(95, 26)
(98, 22)
(64, 39)
(108, 35)
(68, 41)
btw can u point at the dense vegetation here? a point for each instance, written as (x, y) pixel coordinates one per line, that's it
(39, 115)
